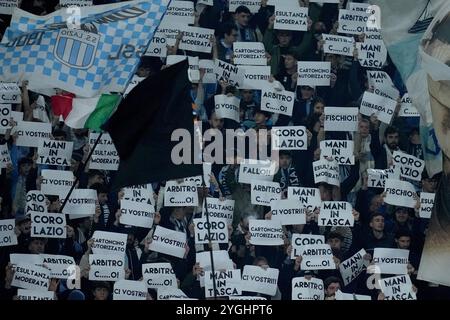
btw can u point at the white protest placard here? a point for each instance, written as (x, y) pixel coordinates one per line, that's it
(339, 295)
(317, 257)
(258, 279)
(129, 290)
(159, 275)
(407, 109)
(410, 166)
(230, 73)
(228, 283)
(221, 258)
(227, 107)
(371, 53)
(7, 235)
(170, 31)
(288, 212)
(252, 5)
(326, 171)
(5, 158)
(59, 265)
(275, 101)
(426, 204)
(266, 232)
(307, 289)
(138, 214)
(40, 111)
(172, 294)
(250, 170)
(400, 193)
(48, 225)
(7, 6)
(218, 229)
(397, 288)
(9, 92)
(30, 276)
(206, 2)
(158, 46)
(54, 152)
(209, 75)
(352, 22)
(377, 178)
(139, 193)
(25, 294)
(339, 150)
(382, 84)
(207, 166)
(291, 18)
(249, 53)
(180, 12)
(81, 203)
(313, 73)
(196, 39)
(391, 261)
(109, 242)
(306, 197)
(29, 133)
(170, 242)
(382, 107)
(105, 156)
(289, 138)
(255, 77)
(246, 298)
(336, 213)
(298, 241)
(180, 194)
(19, 258)
(338, 45)
(5, 115)
(341, 119)
(219, 208)
(106, 267)
(77, 3)
(36, 201)
(352, 267)
(264, 192)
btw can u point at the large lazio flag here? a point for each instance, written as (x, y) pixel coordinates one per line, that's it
(91, 113)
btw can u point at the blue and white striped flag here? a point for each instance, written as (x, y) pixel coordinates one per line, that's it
(100, 54)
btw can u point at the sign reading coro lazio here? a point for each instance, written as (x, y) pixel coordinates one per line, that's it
(218, 230)
(289, 138)
(300, 240)
(410, 166)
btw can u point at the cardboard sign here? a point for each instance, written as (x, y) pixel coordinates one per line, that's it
(339, 295)
(352, 267)
(208, 66)
(105, 156)
(288, 212)
(24, 294)
(59, 265)
(221, 260)
(219, 209)
(170, 31)
(158, 46)
(53, 152)
(304, 289)
(246, 298)
(180, 12)
(180, 194)
(56, 182)
(249, 53)
(159, 275)
(281, 102)
(138, 214)
(307, 197)
(391, 261)
(7, 235)
(397, 288)
(36, 201)
(206, 2)
(266, 233)
(218, 230)
(340, 150)
(48, 225)
(30, 276)
(250, 170)
(106, 267)
(196, 39)
(7, 6)
(289, 138)
(228, 283)
(5, 115)
(129, 290)
(264, 192)
(382, 107)
(382, 84)
(326, 171)
(230, 73)
(255, 77)
(29, 133)
(317, 257)
(207, 166)
(252, 5)
(313, 73)
(172, 294)
(81, 202)
(338, 45)
(257, 279)
(377, 177)
(426, 204)
(400, 193)
(371, 53)
(109, 243)
(352, 22)
(78, 3)
(336, 213)
(139, 193)
(291, 18)
(341, 119)
(298, 241)
(172, 243)
(407, 109)
(4, 156)
(227, 107)
(20, 258)
(410, 166)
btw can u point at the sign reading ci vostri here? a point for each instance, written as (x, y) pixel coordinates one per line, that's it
(168, 242)
(288, 212)
(289, 138)
(227, 107)
(29, 133)
(391, 261)
(138, 214)
(258, 279)
(180, 194)
(56, 182)
(81, 202)
(129, 290)
(382, 107)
